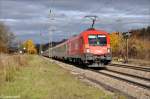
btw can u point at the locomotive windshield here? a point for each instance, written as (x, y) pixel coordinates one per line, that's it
(97, 40)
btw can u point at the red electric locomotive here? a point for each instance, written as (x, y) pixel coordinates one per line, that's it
(91, 47)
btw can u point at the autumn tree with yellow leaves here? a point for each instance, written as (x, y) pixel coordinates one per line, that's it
(138, 44)
(117, 44)
(29, 47)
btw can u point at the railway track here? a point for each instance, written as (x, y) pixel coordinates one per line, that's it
(127, 74)
(141, 82)
(130, 70)
(144, 68)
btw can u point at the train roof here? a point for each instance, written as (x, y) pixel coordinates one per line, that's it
(93, 30)
(88, 31)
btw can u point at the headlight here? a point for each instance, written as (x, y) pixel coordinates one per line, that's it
(108, 50)
(87, 50)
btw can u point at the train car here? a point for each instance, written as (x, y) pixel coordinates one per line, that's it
(91, 47)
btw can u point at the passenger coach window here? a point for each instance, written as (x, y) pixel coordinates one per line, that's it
(97, 40)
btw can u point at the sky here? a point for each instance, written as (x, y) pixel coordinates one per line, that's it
(31, 19)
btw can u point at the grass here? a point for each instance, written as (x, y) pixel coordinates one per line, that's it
(35, 78)
(9, 65)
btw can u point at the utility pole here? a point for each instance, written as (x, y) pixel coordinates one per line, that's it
(126, 36)
(40, 50)
(93, 18)
(53, 30)
(49, 34)
(18, 46)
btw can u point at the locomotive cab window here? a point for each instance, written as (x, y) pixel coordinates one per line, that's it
(97, 40)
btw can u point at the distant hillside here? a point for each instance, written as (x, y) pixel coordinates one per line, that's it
(143, 33)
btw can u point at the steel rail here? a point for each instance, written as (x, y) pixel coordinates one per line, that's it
(131, 67)
(123, 79)
(130, 75)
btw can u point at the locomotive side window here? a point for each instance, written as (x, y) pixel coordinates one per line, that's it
(97, 40)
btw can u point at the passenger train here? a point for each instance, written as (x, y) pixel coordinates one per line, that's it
(91, 47)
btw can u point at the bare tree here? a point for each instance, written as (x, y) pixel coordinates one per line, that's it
(6, 37)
